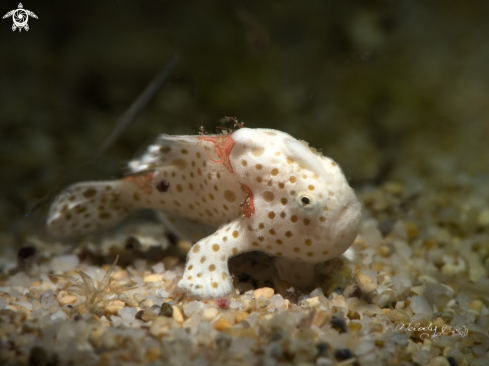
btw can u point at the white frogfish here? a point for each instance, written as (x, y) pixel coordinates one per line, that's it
(247, 190)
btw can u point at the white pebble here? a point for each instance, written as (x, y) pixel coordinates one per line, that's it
(422, 357)
(64, 263)
(316, 292)
(370, 233)
(116, 320)
(383, 299)
(277, 301)
(25, 304)
(400, 305)
(48, 301)
(252, 319)
(399, 339)
(241, 346)
(140, 265)
(192, 308)
(20, 279)
(439, 361)
(323, 361)
(158, 268)
(419, 304)
(458, 321)
(162, 293)
(138, 297)
(128, 314)
(456, 354)
(400, 283)
(146, 304)
(452, 303)
(59, 315)
(209, 314)
(365, 347)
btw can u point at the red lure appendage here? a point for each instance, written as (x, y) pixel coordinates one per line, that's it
(248, 205)
(223, 144)
(142, 181)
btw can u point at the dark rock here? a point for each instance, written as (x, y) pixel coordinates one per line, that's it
(321, 348)
(343, 354)
(338, 324)
(278, 334)
(166, 310)
(452, 361)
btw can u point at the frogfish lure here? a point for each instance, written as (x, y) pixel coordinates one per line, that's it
(246, 190)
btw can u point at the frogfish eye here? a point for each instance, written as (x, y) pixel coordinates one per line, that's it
(306, 200)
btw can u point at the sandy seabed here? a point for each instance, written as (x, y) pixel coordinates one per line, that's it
(411, 290)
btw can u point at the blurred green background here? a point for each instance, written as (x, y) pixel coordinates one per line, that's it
(392, 90)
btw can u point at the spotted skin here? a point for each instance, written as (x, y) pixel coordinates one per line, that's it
(262, 189)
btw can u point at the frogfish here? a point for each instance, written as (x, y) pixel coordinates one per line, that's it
(238, 191)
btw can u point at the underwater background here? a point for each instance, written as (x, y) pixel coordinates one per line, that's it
(395, 91)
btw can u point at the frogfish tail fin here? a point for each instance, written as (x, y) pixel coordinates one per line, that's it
(87, 207)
